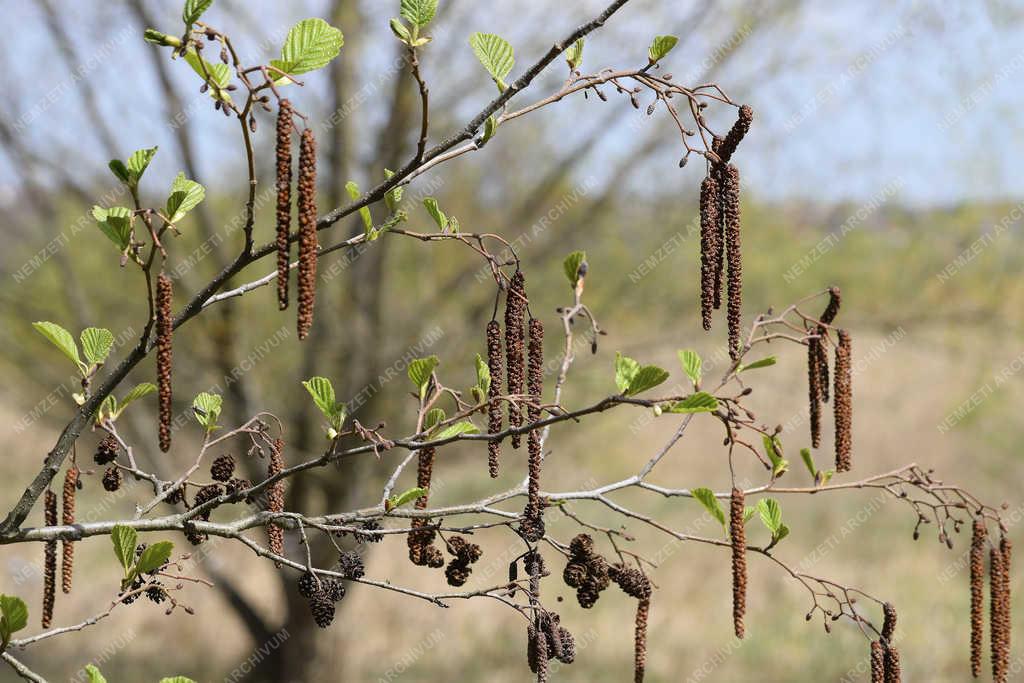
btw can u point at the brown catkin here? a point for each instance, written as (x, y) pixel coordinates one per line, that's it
(709, 247)
(843, 403)
(67, 519)
(814, 390)
(275, 497)
(419, 541)
(643, 609)
(734, 258)
(164, 332)
(888, 622)
(892, 665)
(494, 415)
(49, 559)
(307, 231)
(533, 524)
(829, 315)
(978, 538)
(284, 198)
(732, 139)
(999, 615)
(737, 536)
(1006, 550)
(877, 662)
(515, 308)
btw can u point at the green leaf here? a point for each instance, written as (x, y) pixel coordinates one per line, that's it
(457, 429)
(483, 375)
(419, 12)
(193, 10)
(107, 409)
(400, 30)
(646, 378)
(116, 224)
(113, 410)
(773, 448)
(311, 44)
(707, 498)
(625, 369)
(154, 557)
(94, 674)
(490, 128)
(781, 533)
(96, 344)
(495, 53)
(185, 195)
(748, 512)
(771, 514)
(572, 265)
(151, 35)
(700, 402)
(118, 168)
(420, 371)
(393, 196)
(206, 407)
(218, 75)
(661, 46)
(60, 338)
(763, 363)
(322, 391)
(433, 417)
(404, 497)
(435, 212)
(138, 162)
(692, 365)
(177, 679)
(574, 55)
(124, 539)
(805, 455)
(15, 615)
(364, 212)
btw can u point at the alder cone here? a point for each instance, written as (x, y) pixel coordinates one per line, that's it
(494, 415)
(283, 153)
(106, 450)
(737, 535)
(49, 559)
(164, 332)
(67, 519)
(307, 232)
(112, 478)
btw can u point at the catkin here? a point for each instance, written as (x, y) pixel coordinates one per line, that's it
(284, 198)
(709, 247)
(643, 609)
(731, 204)
(307, 231)
(67, 519)
(892, 655)
(533, 523)
(978, 538)
(737, 536)
(829, 315)
(814, 389)
(877, 662)
(999, 614)
(419, 540)
(49, 559)
(515, 308)
(164, 332)
(892, 665)
(732, 139)
(494, 415)
(843, 403)
(275, 497)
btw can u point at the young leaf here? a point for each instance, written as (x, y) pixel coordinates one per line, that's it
(15, 615)
(692, 364)
(404, 497)
(206, 407)
(707, 498)
(124, 539)
(661, 46)
(625, 369)
(433, 417)
(60, 338)
(116, 224)
(310, 45)
(185, 195)
(490, 128)
(773, 448)
(748, 512)
(419, 12)
(138, 162)
(780, 534)
(483, 375)
(151, 35)
(805, 455)
(435, 212)
(574, 55)
(646, 378)
(94, 674)
(96, 344)
(400, 30)
(177, 679)
(771, 514)
(763, 363)
(322, 391)
(420, 371)
(352, 187)
(701, 402)
(495, 53)
(137, 392)
(572, 265)
(393, 196)
(118, 168)
(154, 557)
(457, 429)
(219, 74)
(193, 10)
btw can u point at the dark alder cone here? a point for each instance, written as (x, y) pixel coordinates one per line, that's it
(275, 498)
(464, 550)
(632, 581)
(457, 572)
(598, 572)
(106, 450)
(567, 654)
(236, 486)
(164, 332)
(434, 557)
(574, 574)
(735, 135)
(322, 608)
(734, 258)
(814, 389)
(67, 519)
(351, 565)
(533, 524)
(334, 589)
(493, 405)
(892, 665)
(112, 478)
(581, 546)
(643, 609)
(709, 247)
(176, 496)
(49, 559)
(737, 535)
(307, 232)
(205, 495)
(308, 585)
(222, 468)
(877, 662)
(515, 308)
(156, 593)
(368, 532)
(843, 403)
(284, 198)
(978, 537)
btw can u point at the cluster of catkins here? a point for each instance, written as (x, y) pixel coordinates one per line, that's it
(587, 571)
(720, 232)
(842, 382)
(547, 639)
(306, 186)
(885, 658)
(999, 608)
(322, 594)
(164, 332)
(464, 554)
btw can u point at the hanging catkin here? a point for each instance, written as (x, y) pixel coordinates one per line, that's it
(999, 614)
(275, 497)
(732, 139)
(978, 538)
(494, 414)
(709, 247)
(49, 559)
(843, 403)
(419, 540)
(814, 389)
(892, 655)
(164, 332)
(284, 198)
(829, 315)
(737, 536)
(515, 308)
(877, 662)
(731, 204)
(307, 231)
(643, 609)
(67, 519)
(892, 665)
(533, 522)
